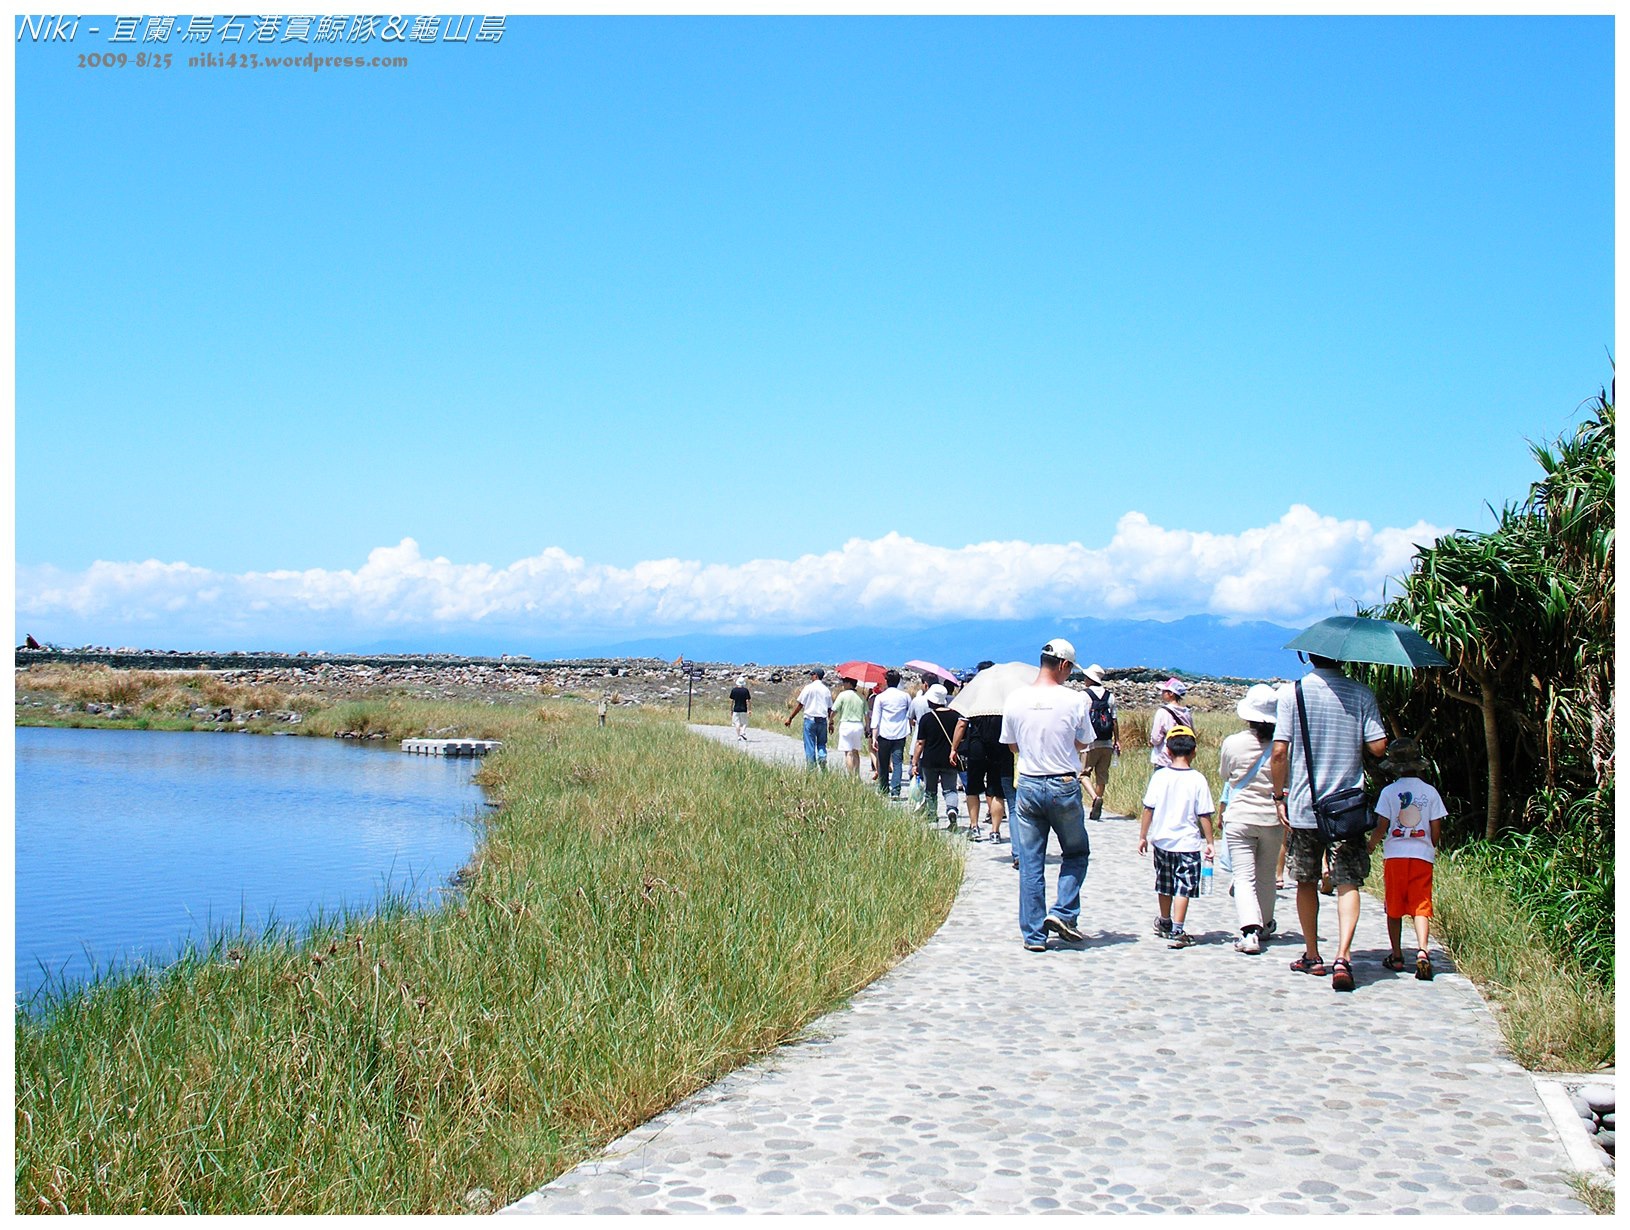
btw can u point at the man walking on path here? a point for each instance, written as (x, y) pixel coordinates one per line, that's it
(1046, 725)
(816, 703)
(741, 701)
(1106, 738)
(1343, 721)
(891, 727)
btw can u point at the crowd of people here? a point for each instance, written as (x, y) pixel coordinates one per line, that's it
(1040, 767)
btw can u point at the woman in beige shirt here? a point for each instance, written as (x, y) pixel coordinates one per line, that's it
(1250, 821)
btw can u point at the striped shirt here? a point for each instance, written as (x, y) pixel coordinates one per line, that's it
(1342, 717)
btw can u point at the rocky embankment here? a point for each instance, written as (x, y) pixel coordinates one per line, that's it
(622, 681)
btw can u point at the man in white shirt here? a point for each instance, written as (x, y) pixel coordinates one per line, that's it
(815, 702)
(1047, 725)
(891, 728)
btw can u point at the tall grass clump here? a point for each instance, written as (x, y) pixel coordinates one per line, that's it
(646, 912)
(1554, 1016)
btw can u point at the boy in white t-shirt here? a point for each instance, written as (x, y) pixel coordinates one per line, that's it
(1411, 813)
(1177, 812)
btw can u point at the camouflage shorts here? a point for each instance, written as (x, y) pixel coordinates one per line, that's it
(1349, 864)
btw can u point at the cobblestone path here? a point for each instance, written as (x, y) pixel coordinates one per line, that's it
(1114, 1075)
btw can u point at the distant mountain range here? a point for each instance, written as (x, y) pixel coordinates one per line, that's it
(1197, 645)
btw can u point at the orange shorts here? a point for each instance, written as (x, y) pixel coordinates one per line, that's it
(1409, 887)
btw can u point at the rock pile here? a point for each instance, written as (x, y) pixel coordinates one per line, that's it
(1595, 1106)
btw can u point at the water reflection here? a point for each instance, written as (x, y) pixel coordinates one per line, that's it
(130, 841)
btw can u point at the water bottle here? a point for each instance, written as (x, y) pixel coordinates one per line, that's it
(1208, 881)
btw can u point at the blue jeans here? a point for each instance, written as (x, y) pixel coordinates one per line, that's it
(935, 782)
(1049, 805)
(815, 741)
(891, 760)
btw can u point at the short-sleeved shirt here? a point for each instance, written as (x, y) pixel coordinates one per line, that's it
(1165, 718)
(1252, 804)
(1179, 798)
(848, 707)
(1409, 806)
(738, 699)
(934, 733)
(816, 698)
(1342, 717)
(1109, 739)
(919, 705)
(891, 714)
(1046, 723)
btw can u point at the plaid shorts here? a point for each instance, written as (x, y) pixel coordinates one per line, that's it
(1349, 862)
(1177, 873)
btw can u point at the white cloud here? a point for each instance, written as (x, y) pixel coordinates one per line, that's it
(1303, 566)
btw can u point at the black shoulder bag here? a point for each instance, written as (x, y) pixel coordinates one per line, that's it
(1347, 813)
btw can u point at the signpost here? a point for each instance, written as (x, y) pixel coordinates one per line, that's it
(692, 673)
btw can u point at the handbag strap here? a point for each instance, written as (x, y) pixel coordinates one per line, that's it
(1307, 743)
(1255, 769)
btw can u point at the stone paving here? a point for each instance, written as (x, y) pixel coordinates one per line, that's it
(1113, 1075)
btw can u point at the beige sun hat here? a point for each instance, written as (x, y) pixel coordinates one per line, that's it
(1259, 704)
(1095, 673)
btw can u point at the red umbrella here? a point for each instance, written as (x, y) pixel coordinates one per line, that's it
(861, 672)
(928, 668)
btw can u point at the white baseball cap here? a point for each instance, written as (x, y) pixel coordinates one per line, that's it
(1061, 649)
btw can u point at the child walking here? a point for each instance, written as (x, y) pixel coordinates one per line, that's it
(1412, 813)
(1177, 811)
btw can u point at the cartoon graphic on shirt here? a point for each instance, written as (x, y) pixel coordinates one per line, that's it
(1409, 816)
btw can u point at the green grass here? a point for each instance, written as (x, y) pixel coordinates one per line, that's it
(1554, 1016)
(647, 911)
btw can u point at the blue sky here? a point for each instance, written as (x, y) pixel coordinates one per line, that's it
(641, 322)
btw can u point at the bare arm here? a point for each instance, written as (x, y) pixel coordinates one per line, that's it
(1279, 774)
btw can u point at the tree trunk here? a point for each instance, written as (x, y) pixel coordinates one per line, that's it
(1491, 744)
(1484, 700)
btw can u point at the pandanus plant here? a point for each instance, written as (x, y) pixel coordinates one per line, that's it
(1525, 615)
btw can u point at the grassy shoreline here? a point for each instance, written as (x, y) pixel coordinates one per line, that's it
(646, 913)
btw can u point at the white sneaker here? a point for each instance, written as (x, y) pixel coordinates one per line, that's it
(1248, 944)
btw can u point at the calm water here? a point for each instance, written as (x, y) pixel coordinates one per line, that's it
(129, 841)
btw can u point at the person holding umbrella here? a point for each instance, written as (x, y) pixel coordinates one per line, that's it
(849, 717)
(1341, 721)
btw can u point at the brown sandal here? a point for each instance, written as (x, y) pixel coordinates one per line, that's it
(1305, 964)
(1341, 975)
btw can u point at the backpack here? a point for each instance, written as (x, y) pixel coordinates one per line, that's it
(1102, 714)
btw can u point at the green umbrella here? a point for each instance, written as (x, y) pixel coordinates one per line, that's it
(1354, 638)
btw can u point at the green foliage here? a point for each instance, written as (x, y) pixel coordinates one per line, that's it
(646, 912)
(1521, 726)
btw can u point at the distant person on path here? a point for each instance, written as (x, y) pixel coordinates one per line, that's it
(741, 702)
(977, 749)
(1177, 811)
(1106, 739)
(849, 715)
(1045, 725)
(1412, 814)
(1343, 722)
(919, 699)
(1170, 712)
(932, 757)
(602, 708)
(815, 701)
(891, 726)
(1251, 828)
